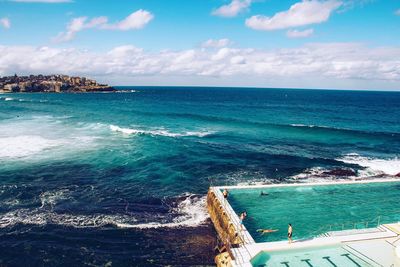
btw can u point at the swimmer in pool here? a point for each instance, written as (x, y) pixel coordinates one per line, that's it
(267, 231)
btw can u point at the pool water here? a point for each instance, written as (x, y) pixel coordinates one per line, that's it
(313, 210)
(334, 256)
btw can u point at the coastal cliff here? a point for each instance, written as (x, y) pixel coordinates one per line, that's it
(51, 84)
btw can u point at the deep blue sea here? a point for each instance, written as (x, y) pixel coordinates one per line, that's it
(119, 179)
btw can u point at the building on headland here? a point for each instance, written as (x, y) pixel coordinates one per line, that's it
(51, 83)
(57, 87)
(11, 87)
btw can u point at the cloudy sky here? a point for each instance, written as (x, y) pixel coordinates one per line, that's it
(344, 44)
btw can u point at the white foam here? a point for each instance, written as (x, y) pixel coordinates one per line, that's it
(257, 183)
(374, 166)
(244, 178)
(25, 145)
(44, 137)
(127, 91)
(160, 132)
(319, 174)
(311, 126)
(301, 125)
(11, 99)
(198, 134)
(311, 172)
(39, 217)
(191, 212)
(50, 198)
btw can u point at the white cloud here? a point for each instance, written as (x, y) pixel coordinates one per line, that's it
(216, 43)
(333, 62)
(5, 23)
(124, 51)
(238, 60)
(136, 20)
(232, 9)
(42, 1)
(397, 12)
(299, 34)
(300, 14)
(222, 53)
(96, 22)
(78, 24)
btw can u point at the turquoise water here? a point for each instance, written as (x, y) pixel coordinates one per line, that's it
(317, 257)
(121, 178)
(313, 210)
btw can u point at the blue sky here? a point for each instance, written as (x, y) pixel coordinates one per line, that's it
(351, 44)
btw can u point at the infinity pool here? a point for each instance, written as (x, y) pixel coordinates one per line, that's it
(318, 257)
(313, 210)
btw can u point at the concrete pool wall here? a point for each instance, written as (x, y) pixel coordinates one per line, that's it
(226, 223)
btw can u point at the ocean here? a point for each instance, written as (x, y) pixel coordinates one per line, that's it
(119, 179)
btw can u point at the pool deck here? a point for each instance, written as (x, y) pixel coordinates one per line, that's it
(377, 245)
(363, 243)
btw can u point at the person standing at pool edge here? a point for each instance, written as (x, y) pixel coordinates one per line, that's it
(241, 218)
(225, 193)
(290, 233)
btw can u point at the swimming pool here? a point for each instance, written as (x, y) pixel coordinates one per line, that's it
(332, 256)
(313, 210)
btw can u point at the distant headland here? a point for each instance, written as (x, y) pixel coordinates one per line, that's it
(51, 84)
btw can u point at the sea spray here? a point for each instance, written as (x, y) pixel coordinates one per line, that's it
(160, 132)
(373, 166)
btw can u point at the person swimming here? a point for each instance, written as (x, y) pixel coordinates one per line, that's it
(263, 194)
(267, 231)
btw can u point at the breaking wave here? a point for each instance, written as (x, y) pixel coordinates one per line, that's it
(271, 125)
(190, 212)
(159, 132)
(314, 126)
(23, 100)
(38, 217)
(368, 168)
(6, 98)
(126, 91)
(320, 174)
(12, 99)
(43, 137)
(25, 145)
(373, 166)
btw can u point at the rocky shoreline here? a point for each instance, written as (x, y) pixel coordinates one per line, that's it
(51, 84)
